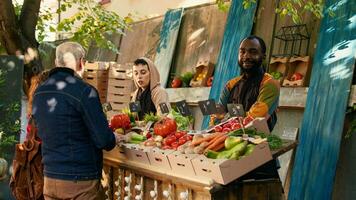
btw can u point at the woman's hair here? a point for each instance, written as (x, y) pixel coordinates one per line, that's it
(35, 82)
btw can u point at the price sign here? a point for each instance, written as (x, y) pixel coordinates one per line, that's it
(236, 110)
(106, 107)
(183, 108)
(135, 106)
(208, 107)
(164, 108)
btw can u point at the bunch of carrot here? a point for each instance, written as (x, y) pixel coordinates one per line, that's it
(215, 141)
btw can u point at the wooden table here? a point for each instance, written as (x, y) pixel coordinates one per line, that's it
(124, 179)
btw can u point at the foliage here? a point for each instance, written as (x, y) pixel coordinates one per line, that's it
(91, 23)
(291, 8)
(8, 126)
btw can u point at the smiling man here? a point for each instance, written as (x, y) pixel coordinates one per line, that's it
(255, 90)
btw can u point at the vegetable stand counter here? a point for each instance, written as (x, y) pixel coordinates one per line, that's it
(128, 179)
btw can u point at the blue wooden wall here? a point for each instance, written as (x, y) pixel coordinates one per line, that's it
(238, 26)
(322, 125)
(167, 43)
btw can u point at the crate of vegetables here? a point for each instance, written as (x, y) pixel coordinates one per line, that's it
(236, 159)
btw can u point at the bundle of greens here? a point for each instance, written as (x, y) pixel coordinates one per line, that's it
(274, 141)
(150, 118)
(182, 122)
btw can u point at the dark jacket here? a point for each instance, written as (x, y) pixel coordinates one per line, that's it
(72, 127)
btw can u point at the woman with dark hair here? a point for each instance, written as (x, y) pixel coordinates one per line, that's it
(149, 92)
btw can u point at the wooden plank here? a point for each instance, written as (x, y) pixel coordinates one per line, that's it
(121, 82)
(118, 98)
(321, 130)
(202, 31)
(167, 43)
(141, 40)
(119, 89)
(238, 26)
(118, 106)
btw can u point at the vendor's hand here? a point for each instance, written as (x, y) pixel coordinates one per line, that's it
(215, 118)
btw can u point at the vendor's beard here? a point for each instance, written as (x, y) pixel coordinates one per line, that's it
(251, 71)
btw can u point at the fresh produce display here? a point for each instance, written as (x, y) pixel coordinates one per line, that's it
(120, 121)
(174, 140)
(165, 127)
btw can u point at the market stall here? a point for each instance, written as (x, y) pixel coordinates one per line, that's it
(156, 168)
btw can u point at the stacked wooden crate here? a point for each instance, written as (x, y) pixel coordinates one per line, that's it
(96, 74)
(120, 86)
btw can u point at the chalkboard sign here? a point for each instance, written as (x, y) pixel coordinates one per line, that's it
(164, 108)
(236, 110)
(106, 107)
(208, 107)
(135, 106)
(183, 108)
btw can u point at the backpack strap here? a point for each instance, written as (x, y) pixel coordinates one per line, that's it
(33, 130)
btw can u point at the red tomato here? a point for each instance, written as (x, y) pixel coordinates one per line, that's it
(233, 121)
(179, 134)
(186, 137)
(176, 83)
(218, 128)
(190, 137)
(175, 145)
(120, 121)
(165, 127)
(182, 140)
(226, 129)
(227, 125)
(169, 140)
(164, 147)
(236, 126)
(296, 76)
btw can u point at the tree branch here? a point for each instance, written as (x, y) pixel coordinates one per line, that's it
(9, 34)
(28, 20)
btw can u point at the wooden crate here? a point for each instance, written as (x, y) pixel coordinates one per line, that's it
(298, 65)
(96, 65)
(279, 64)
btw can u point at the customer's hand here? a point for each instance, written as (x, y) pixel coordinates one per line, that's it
(119, 138)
